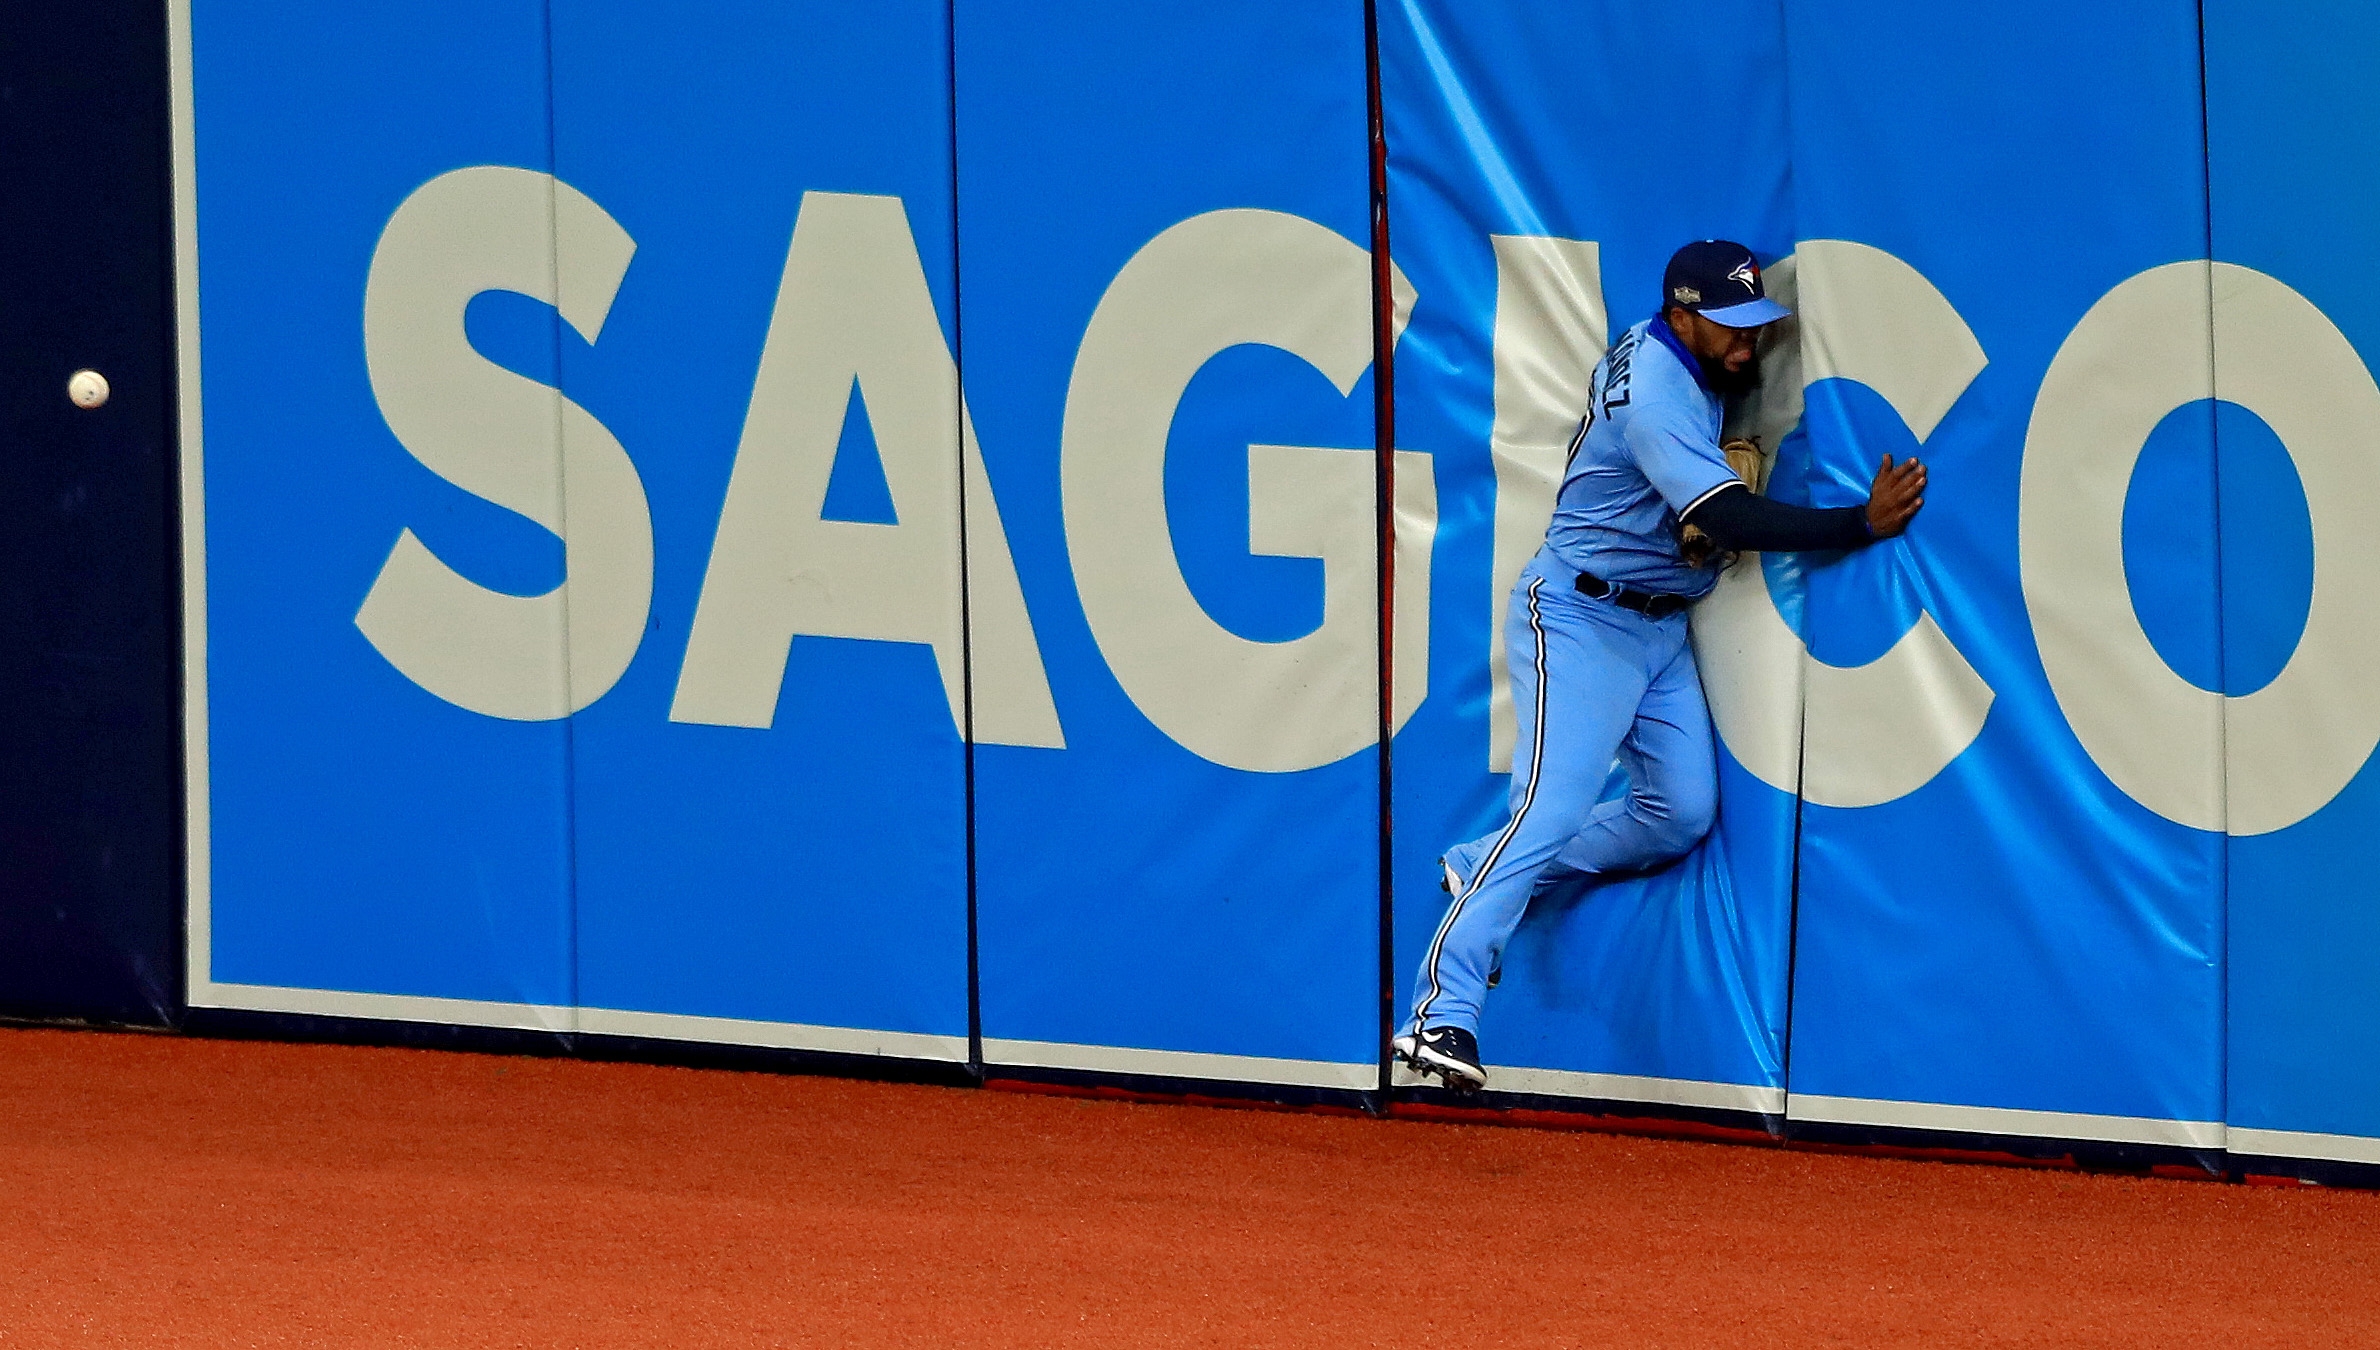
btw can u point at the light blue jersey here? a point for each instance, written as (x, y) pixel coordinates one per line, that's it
(1648, 452)
(1593, 683)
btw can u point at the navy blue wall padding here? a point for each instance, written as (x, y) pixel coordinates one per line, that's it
(90, 746)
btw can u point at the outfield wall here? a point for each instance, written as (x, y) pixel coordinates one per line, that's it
(90, 652)
(882, 531)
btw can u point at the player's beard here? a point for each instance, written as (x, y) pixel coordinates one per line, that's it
(1732, 383)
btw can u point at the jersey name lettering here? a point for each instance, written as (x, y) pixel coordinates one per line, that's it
(1615, 378)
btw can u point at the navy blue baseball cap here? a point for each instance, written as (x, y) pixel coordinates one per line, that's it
(1720, 280)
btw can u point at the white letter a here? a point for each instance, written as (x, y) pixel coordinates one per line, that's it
(854, 305)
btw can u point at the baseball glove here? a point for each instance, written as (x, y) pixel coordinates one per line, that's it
(1743, 456)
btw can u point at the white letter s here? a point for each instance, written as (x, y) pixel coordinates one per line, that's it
(508, 439)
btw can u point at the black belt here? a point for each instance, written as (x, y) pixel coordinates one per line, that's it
(1647, 603)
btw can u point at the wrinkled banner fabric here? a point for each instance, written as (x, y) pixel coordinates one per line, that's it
(1540, 174)
(2010, 904)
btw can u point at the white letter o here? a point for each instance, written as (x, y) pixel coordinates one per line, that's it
(2253, 763)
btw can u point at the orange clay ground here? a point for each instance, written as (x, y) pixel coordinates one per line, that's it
(171, 1192)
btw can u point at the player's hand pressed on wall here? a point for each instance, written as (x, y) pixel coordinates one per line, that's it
(1894, 497)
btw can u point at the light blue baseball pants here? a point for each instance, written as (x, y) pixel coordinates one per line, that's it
(1591, 683)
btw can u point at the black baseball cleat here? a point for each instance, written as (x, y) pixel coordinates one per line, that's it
(1449, 1052)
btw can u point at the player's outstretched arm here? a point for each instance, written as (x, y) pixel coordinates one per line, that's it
(1738, 521)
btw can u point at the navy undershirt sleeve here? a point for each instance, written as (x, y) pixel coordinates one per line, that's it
(1739, 521)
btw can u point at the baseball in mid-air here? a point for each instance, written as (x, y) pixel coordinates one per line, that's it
(88, 388)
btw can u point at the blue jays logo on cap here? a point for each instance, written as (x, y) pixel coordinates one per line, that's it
(1720, 280)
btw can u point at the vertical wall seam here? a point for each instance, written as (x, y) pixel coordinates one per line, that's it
(1384, 456)
(570, 831)
(1793, 891)
(2222, 933)
(958, 365)
(1793, 874)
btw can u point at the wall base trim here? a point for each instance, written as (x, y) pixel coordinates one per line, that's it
(1748, 1098)
(562, 1020)
(2346, 1148)
(1188, 1064)
(2005, 1122)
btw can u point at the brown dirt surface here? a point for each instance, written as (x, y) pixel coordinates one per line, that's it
(172, 1192)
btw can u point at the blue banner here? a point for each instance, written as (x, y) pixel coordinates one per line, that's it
(769, 804)
(584, 621)
(1167, 335)
(1990, 924)
(353, 831)
(855, 528)
(2296, 333)
(1539, 179)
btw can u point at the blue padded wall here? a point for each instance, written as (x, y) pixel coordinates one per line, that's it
(961, 417)
(353, 832)
(2014, 934)
(1166, 327)
(2287, 106)
(769, 807)
(90, 735)
(1532, 234)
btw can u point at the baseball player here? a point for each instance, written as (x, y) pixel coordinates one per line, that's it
(1596, 636)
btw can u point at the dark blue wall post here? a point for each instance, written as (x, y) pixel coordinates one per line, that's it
(90, 726)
